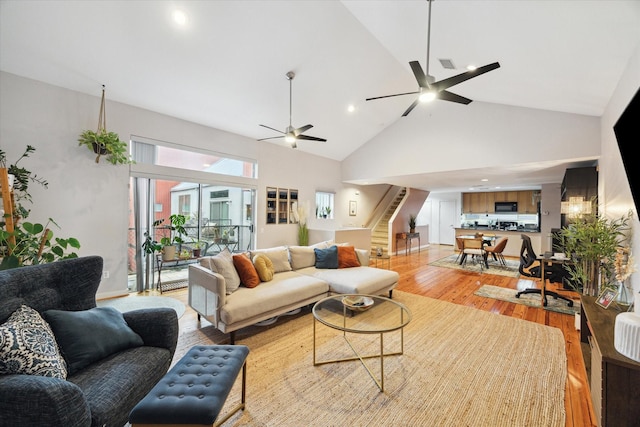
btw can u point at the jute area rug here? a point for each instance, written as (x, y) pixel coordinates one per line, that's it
(511, 270)
(531, 300)
(460, 367)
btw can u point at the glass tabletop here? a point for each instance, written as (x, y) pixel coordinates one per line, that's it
(367, 314)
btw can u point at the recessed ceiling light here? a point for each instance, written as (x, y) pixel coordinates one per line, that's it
(179, 17)
(484, 180)
(351, 108)
(471, 67)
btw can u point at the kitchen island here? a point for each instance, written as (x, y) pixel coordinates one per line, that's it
(513, 244)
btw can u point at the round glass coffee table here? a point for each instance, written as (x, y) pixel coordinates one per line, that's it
(361, 314)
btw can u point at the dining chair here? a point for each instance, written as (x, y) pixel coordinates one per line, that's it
(475, 248)
(496, 251)
(460, 247)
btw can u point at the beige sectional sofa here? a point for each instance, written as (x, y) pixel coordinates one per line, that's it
(214, 292)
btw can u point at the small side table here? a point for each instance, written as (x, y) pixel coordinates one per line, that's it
(407, 237)
(382, 259)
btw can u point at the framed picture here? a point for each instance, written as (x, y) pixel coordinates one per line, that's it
(353, 206)
(606, 297)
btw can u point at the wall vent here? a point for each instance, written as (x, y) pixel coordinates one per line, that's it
(447, 63)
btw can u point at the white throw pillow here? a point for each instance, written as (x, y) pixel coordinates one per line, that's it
(279, 256)
(363, 256)
(223, 265)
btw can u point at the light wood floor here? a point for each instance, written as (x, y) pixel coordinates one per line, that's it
(458, 287)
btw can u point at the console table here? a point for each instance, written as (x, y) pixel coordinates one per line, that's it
(407, 237)
(614, 378)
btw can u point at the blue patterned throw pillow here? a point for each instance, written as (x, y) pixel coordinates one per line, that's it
(28, 346)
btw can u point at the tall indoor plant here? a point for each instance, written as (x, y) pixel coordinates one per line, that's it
(592, 241)
(27, 243)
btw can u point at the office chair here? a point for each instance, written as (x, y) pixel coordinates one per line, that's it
(496, 251)
(530, 266)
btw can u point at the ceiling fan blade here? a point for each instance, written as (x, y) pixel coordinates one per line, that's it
(302, 129)
(448, 96)
(273, 137)
(388, 96)
(452, 81)
(420, 75)
(265, 126)
(311, 138)
(411, 107)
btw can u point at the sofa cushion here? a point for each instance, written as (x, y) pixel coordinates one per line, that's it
(304, 256)
(90, 335)
(279, 256)
(358, 280)
(28, 346)
(222, 264)
(264, 267)
(363, 256)
(326, 258)
(247, 272)
(347, 257)
(287, 288)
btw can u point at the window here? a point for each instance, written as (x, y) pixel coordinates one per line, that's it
(184, 205)
(324, 205)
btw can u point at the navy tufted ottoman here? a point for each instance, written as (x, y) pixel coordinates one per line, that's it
(195, 389)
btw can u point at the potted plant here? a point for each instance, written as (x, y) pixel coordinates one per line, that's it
(412, 223)
(105, 143)
(591, 242)
(328, 212)
(150, 246)
(197, 248)
(176, 231)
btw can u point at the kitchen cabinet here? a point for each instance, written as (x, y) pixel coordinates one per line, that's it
(491, 202)
(479, 202)
(485, 202)
(528, 202)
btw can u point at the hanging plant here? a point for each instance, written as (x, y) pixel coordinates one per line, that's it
(105, 143)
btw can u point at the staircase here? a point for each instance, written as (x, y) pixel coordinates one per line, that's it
(380, 234)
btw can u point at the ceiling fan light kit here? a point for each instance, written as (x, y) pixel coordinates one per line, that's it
(431, 89)
(291, 135)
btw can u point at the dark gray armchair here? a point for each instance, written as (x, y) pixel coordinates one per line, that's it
(103, 393)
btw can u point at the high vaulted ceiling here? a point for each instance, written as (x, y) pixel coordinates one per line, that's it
(226, 67)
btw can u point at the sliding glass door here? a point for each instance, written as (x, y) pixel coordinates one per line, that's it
(173, 181)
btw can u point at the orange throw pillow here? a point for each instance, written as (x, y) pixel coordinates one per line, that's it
(247, 272)
(347, 257)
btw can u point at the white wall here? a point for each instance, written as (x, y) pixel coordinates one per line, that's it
(614, 191)
(90, 201)
(477, 135)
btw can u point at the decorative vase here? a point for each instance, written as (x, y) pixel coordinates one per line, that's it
(625, 295)
(196, 253)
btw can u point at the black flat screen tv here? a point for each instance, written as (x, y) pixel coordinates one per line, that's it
(627, 130)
